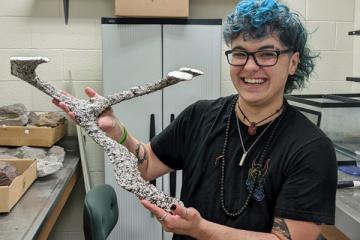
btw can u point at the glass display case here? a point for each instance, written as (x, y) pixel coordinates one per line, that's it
(338, 115)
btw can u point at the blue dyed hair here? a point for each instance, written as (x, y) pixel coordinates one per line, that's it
(254, 19)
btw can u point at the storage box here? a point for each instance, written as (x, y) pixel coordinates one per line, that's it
(10, 195)
(152, 8)
(31, 135)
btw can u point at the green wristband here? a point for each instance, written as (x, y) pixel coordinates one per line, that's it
(124, 136)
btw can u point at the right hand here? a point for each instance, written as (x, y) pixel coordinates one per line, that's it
(107, 121)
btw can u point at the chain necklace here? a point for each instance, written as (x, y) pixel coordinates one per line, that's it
(259, 164)
(252, 145)
(252, 128)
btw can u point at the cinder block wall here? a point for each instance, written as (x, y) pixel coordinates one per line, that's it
(36, 28)
(356, 52)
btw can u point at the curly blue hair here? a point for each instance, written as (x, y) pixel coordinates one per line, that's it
(254, 19)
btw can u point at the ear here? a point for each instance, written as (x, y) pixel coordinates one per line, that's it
(294, 61)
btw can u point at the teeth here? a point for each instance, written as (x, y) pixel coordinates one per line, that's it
(253, 80)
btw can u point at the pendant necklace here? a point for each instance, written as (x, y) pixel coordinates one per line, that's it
(245, 152)
(252, 128)
(258, 161)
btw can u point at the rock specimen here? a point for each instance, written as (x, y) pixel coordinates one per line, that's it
(13, 115)
(49, 119)
(17, 115)
(48, 161)
(7, 173)
(125, 163)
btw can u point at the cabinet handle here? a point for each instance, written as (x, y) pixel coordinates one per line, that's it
(172, 174)
(151, 135)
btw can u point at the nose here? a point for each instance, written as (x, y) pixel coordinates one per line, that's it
(251, 64)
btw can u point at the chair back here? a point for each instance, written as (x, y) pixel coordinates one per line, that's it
(100, 212)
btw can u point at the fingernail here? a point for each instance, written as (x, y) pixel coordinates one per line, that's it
(173, 207)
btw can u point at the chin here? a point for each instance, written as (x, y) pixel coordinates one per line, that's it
(254, 98)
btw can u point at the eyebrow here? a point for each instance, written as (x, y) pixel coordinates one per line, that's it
(261, 48)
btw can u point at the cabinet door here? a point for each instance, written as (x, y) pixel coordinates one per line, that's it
(131, 57)
(195, 46)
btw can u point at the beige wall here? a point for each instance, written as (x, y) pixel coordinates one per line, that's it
(356, 56)
(36, 28)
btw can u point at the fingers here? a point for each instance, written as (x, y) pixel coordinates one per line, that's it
(180, 211)
(160, 214)
(163, 217)
(90, 92)
(65, 108)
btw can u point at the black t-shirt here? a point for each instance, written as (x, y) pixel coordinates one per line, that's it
(298, 177)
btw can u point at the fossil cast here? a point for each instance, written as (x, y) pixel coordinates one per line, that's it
(125, 163)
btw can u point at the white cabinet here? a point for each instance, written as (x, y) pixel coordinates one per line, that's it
(139, 51)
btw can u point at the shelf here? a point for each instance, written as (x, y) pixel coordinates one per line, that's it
(356, 32)
(353, 79)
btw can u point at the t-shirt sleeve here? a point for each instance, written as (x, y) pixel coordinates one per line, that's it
(168, 145)
(309, 190)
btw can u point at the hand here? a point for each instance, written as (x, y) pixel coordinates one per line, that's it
(107, 121)
(181, 220)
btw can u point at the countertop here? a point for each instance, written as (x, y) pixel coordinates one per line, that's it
(347, 215)
(32, 211)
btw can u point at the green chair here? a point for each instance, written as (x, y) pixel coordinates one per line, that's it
(100, 212)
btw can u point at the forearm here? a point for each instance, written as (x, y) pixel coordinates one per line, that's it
(136, 147)
(140, 151)
(149, 165)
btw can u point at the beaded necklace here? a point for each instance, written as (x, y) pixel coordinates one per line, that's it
(253, 125)
(259, 164)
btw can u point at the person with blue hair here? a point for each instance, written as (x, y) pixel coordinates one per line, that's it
(253, 166)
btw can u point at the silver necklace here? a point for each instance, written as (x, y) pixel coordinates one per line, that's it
(243, 157)
(258, 164)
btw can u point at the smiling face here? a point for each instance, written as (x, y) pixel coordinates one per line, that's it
(262, 86)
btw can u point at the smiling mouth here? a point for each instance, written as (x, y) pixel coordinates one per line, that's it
(253, 80)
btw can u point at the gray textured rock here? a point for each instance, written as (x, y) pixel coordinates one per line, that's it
(7, 173)
(6, 153)
(56, 153)
(45, 167)
(125, 163)
(52, 162)
(49, 161)
(49, 119)
(29, 152)
(33, 118)
(13, 115)
(7, 156)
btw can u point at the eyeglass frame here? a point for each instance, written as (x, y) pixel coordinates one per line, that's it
(278, 53)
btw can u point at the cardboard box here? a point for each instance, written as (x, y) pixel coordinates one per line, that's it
(152, 8)
(10, 195)
(31, 135)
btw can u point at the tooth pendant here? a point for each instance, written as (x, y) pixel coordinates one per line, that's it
(242, 159)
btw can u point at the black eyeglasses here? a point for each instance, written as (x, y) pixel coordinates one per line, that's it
(262, 58)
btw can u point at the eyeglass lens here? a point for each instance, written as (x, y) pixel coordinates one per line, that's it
(262, 58)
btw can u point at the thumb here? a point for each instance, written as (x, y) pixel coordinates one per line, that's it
(90, 92)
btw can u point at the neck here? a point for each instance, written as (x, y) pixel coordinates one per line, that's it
(258, 112)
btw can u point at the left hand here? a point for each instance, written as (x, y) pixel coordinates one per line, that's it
(181, 220)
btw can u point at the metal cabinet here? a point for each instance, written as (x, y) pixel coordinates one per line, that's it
(139, 51)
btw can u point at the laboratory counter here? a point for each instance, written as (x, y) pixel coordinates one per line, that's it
(36, 212)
